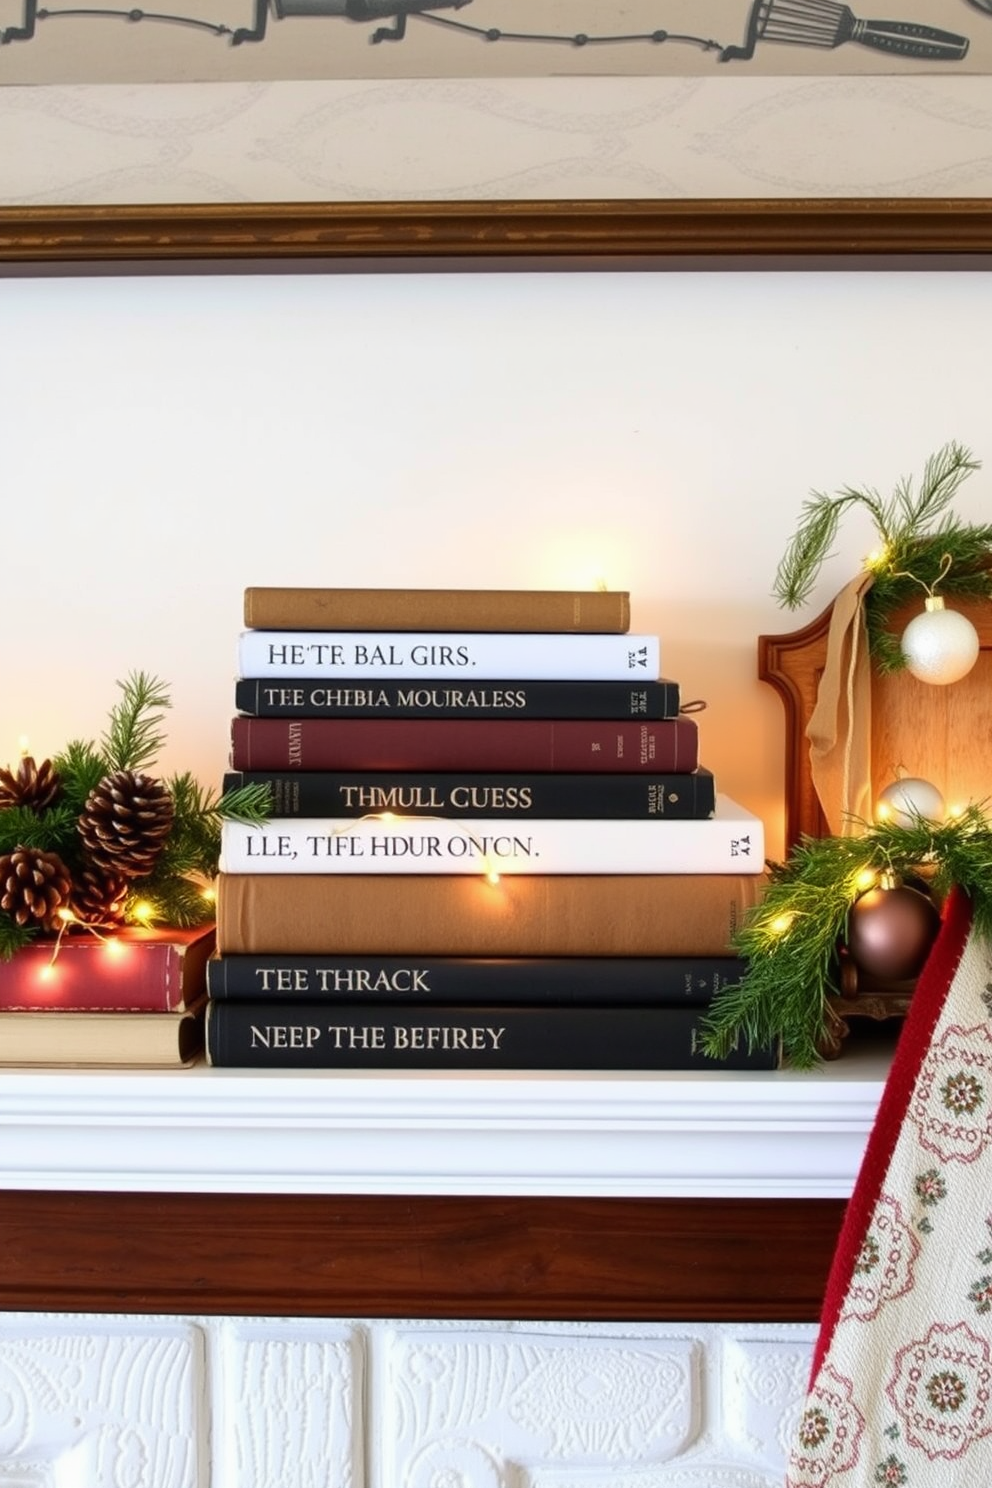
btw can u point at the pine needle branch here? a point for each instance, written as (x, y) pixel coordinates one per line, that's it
(80, 767)
(809, 548)
(134, 735)
(12, 937)
(53, 830)
(942, 475)
(922, 544)
(790, 941)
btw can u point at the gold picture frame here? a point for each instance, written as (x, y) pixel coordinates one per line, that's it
(557, 233)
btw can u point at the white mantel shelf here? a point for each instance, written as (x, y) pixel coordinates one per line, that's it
(718, 1134)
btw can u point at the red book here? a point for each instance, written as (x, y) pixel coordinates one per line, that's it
(455, 744)
(127, 971)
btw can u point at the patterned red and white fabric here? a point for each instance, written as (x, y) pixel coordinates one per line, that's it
(901, 1384)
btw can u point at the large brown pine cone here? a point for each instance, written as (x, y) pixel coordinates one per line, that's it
(125, 823)
(30, 785)
(34, 886)
(98, 897)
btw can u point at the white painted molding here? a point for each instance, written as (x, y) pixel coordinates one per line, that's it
(755, 1135)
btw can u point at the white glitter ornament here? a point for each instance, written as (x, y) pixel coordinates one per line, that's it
(941, 645)
(906, 801)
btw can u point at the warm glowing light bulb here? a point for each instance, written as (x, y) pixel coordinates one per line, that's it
(46, 973)
(865, 879)
(209, 894)
(113, 948)
(66, 916)
(143, 911)
(492, 876)
(781, 923)
(878, 558)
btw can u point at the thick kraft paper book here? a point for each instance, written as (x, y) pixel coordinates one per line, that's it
(465, 915)
(133, 970)
(136, 1040)
(604, 611)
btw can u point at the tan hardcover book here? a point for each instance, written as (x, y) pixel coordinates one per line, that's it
(139, 1040)
(593, 611)
(454, 915)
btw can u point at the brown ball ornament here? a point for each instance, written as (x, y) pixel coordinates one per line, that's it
(890, 931)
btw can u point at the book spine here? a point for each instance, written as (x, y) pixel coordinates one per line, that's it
(575, 746)
(305, 1035)
(464, 915)
(446, 655)
(355, 697)
(405, 845)
(106, 975)
(581, 611)
(317, 793)
(570, 980)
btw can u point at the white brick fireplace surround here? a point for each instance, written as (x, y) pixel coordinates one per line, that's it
(108, 1380)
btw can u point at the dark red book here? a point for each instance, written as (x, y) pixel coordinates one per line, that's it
(455, 744)
(129, 971)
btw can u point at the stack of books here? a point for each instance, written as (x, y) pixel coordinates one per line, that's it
(123, 997)
(493, 844)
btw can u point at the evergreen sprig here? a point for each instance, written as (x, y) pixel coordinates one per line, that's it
(173, 893)
(134, 734)
(922, 545)
(790, 940)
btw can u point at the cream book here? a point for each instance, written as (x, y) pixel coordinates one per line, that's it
(137, 1040)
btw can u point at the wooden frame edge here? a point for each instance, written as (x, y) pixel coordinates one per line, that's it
(544, 230)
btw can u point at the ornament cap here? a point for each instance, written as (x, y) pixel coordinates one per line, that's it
(934, 602)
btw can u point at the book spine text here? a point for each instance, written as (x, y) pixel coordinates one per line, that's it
(608, 980)
(281, 1035)
(690, 795)
(330, 845)
(311, 653)
(356, 697)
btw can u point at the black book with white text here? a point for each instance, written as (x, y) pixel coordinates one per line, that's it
(308, 1035)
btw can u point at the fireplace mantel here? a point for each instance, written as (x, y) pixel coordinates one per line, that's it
(714, 1135)
(654, 1196)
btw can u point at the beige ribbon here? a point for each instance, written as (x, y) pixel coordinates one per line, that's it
(839, 728)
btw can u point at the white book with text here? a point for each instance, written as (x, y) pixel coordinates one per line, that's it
(466, 656)
(729, 841)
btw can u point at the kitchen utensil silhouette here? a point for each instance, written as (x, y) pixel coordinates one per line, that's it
(827, 23)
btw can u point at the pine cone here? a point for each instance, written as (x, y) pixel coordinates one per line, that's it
(34, 886)
(33, 785)
(125, 822)
(98, 897)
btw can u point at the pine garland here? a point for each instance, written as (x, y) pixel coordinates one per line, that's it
(790, 940)
(922, 544)
(173, 892)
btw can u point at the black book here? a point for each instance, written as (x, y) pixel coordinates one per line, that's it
(475, 980)
(310, 1035)
(311, 697)
(690, 795)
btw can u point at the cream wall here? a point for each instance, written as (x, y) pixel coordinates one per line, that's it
(500, 138)
(169, 440)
